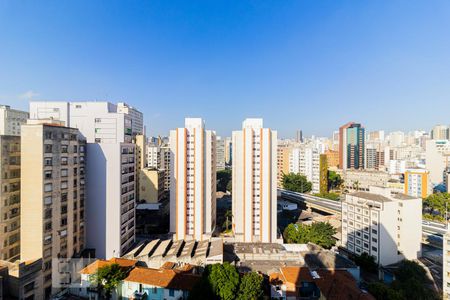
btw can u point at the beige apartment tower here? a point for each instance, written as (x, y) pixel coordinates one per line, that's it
(52, 193)
(193, 181)
(10, 197)
(255, 183)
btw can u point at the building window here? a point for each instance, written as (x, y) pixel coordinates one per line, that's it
(48, 187)
(171, 293)
(64, 172)
(48, 148)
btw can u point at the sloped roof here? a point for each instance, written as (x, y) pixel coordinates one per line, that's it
(99, 263)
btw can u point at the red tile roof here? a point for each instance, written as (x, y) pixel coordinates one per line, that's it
(99, 263)
(163, 278)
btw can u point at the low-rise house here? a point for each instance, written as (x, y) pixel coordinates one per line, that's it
(171, 281)
(295, 282)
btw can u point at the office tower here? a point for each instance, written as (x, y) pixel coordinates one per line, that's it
(440, 132)
(306, 161)
(52, 193)
(437, 159)
(228, 151)
(299, 136)
(220, 154)
(10, 197)
(110, 169)
(417, 183)
(11, 119)
(355, 147)
(343, 145)
(384, 225)
(193, 177)
(254, 183)
(137, 118)
(283, 152)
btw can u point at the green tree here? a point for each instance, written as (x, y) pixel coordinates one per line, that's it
(323, 174)
(382, 291)
(296, 183)
(230, 186)
(366, 262)
(224, 280)
(251, 287)
(223, 178)
(334, 181)
(331, 196)
(228, 216)
(107, 278)
(435, 204)
(319, 233)
(412, 281)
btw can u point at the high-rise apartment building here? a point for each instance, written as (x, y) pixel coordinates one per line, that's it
(306, 161)
(193, 177)
(110, 168)
(11, 119)
(417, 183)
(371, 158)
(228, 151)
(9, 197)
(283, 153)
(437, 159)
(52, 193)
(384, 225)
(343, 152)
(166, 165)
(255, 183)
(440, 132)
(220, 154)
(137, 118)
(153, 156)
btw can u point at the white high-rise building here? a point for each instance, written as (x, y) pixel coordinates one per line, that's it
(437, 159)
(220, 151)
(11, 119)
(193, 178)
(384, 225)
(110, 169)
(255, 183)
(306, 161)
(153, 156)
(137, 118)
(440, 132)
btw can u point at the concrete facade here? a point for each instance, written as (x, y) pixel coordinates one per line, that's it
(193, 181)
(10, 197)
(254, 183)
(11, 120)
(52, 194)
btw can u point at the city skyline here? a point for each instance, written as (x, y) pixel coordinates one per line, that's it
(207, 60)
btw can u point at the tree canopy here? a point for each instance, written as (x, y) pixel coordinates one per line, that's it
(411, 282)
(222, 281)
(107, 278)
(296, 183)
(434, 205)
(334, 181)
(319, 233)
(223, 179)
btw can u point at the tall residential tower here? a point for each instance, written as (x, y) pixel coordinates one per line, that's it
(193, 181)
(255, 183)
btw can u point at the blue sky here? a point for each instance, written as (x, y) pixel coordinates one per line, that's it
(312, 64)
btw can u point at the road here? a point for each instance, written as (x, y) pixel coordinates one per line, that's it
(428, 227)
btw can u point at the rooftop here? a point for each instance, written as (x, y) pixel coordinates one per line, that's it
(370, 196)
(99, 263)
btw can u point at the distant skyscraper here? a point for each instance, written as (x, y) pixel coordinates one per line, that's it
(440, 132)
(109, 130)
(193, 177)
(351, 146)
(255, 183)
(299, 136)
